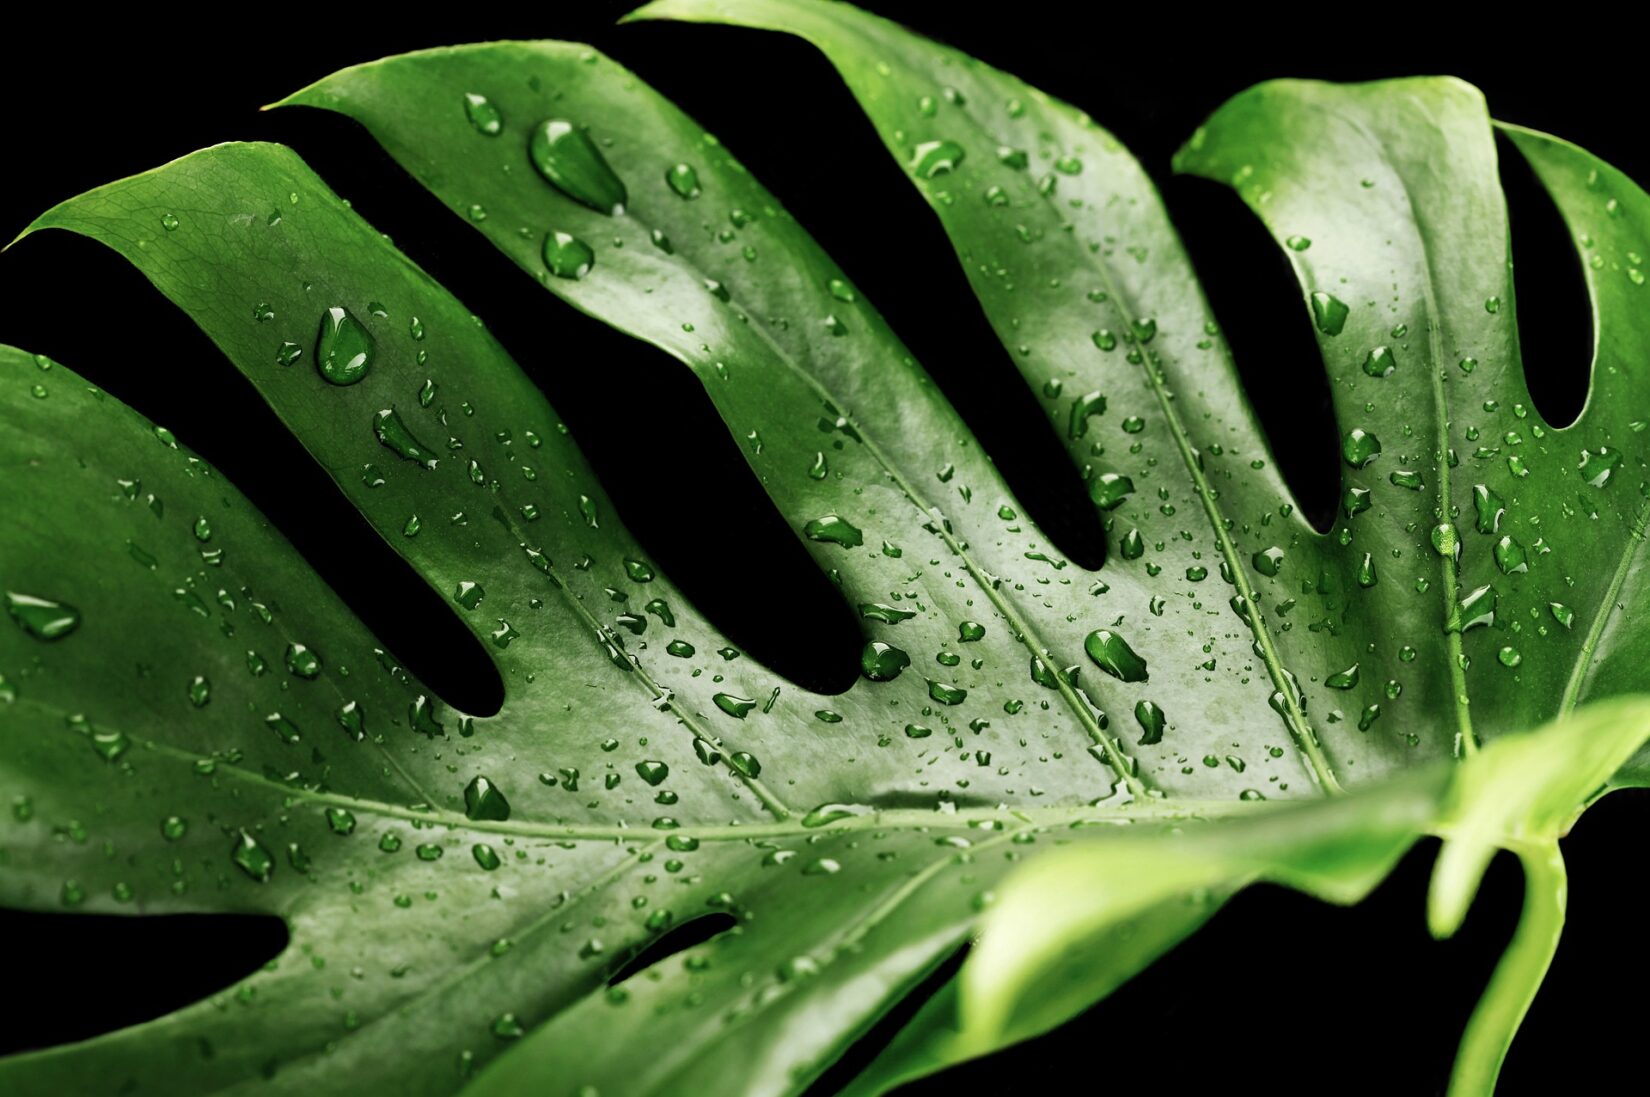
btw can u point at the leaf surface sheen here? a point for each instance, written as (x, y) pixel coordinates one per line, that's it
(857, 838)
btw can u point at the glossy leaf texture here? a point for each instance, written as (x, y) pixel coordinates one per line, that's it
(457, 886)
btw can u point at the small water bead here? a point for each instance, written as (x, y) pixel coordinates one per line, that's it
(469, 594)
(349, 718)
(485, 800)
(1489, 509)
(1508, 656)
(1133, 425)
(567, 256)
(344, 348)
(173, 828)
(1406, 478)
(1492, 304)
(199, 691)
(1563, 614)
(1359, 447)
(1297, 243)
(288, 353)
(888, 615)
(946, 695)
(485, 856)
(681, 649)
(683, 179)
(566, 156)
(1468, 364)
(1329, 313)
(1105, 339)
(42, 618)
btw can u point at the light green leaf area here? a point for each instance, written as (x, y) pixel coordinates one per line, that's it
(195, 723)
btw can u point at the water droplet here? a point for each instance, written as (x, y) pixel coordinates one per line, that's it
(683, 180)
(888, 615)
(565, 155)
(252, 857)
(42, 618)
(1297, 243)
(1510, 556)
(1268, 561)
(1360, 447)
(1366, 572)
(1105, 339)
(567, 256)
(483, 115)
(1380, 362)
(1112, 654)
(736, 707)
(468, 594)
(485, 800)
(1474, 610)
(1109, 489)
(344, 348)
(173, 827)
(1489, 507)
(1329, 313)
(1093, 403)
(1345, 679)
(169, 222)
(1508, 656)
(935, 158)
(340, 821)
(833, 530)
(1596, 468)
(882, 662)
(1151, 720)
(301, 661)
(486, 856)
(944, 694)
(393, 434)
(1563, 614)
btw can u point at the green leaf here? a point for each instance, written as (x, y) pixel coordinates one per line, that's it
(499, 872)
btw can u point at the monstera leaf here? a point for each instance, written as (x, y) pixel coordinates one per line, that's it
(1074, 767)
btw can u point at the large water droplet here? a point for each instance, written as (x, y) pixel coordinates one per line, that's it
(1151, 720)
(396, 438)
(344, 348)
(42, 618)
(934, 158)
(882, 662)
(683, 180)
(483, 115)
(834, 530)
(251, 856)
(485, 800)
(1109, 489)
(1112, 654)
(1360, 447)
(565, 155)
(567, 256)
(1329, 313)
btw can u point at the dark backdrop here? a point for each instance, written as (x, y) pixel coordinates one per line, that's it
(1279, 994)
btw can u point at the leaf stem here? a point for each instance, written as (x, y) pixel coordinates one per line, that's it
(1517, 977)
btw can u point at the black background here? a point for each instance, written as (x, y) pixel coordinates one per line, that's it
(1279, 994)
